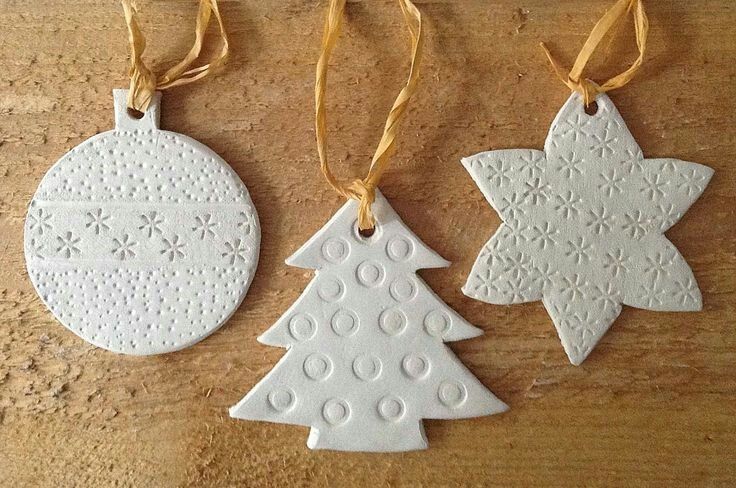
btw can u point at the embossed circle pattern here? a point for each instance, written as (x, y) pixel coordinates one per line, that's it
(391, 408)
(335, 250)
(437, 323)
(399, 248)
(141, 241)
(367, 367)
(345, 323)
(452, 393)
(370, 273)
(331, 289)
(392, 321)
(302, 327)
(317, 366)
(403, 289)
(336, 411)
(415, 366)
(282, 399)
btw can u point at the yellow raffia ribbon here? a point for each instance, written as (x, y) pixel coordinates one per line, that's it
(587, 88)
(143, 82)
(364, 190)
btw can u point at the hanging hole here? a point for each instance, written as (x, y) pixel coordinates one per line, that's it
(591, 108)
(367, 236)
(135, 114)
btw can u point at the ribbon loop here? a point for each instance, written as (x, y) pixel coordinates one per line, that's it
(364, 190)
(365, 193)
(143, 82)
(575, 79)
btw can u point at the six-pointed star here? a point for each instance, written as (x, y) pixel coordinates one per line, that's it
(583, 225)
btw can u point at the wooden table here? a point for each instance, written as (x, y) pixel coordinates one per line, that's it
(654, 405)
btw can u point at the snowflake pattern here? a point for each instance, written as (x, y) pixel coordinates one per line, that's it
(37, 249)
(205, 226)
(590, 226)
(97, 221)
(534, 163)
(108, 281)
(39, 221)
(68, 245)
(600, 221)
(635, 224)
(497, 173)
(173, 248)
(603, 145)
(570, 165)
(235, 251)
(616, 262)
(151, 223)
(168, 234)
(611, 183)
(536, 191)
(246, 222)
(123, 247)
(544, 234)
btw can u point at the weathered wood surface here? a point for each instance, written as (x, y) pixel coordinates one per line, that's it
(655, 404)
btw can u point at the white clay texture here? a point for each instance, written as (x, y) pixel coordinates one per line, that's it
(366, 360)
(583, 226)
(140, 240)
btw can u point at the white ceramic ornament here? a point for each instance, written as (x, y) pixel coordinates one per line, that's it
(583, 225)
(366, 360)
(140, 240)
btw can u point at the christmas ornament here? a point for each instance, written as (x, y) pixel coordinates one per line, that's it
(584, 220)
(140, 240)
(365, 358)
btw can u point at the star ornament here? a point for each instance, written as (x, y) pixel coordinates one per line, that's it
(583, 226)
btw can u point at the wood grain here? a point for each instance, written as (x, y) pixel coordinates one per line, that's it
(654, 405)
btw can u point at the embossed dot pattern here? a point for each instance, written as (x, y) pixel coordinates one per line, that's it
(366, 359)
(415, 366)
(302, 327)
(336, 412)
(335, 250)
(452, 393)
(392, 321)
(437, 323)
(331, 289)
(317, 366)
(367, 367)
(345, 322)
(281, 399)
(403, 289)
(399, 249)
(141, 241)
(370, 273)
(391, 408)
(583, 225)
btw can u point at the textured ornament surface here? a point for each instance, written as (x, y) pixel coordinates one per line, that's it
(583, 225)
(140, 240)
(366, 360)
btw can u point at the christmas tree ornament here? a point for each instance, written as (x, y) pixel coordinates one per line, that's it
(141, 240)
(366, 359)
(584, 220)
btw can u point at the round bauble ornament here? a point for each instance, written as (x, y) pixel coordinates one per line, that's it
(140, 240)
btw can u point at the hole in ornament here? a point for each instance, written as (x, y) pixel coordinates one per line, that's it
(135, 114)
(591, 108)
(367, 236)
